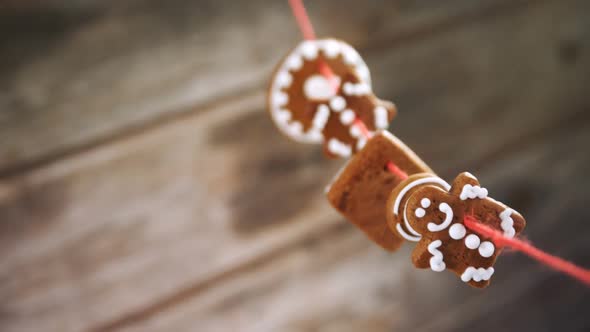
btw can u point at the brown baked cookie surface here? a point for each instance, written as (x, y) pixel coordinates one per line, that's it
(361, 188)
(310, 108)
(427, 210)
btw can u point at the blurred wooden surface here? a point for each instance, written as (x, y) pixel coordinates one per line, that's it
(144, 188)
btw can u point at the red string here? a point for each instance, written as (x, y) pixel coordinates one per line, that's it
(549, 260)
(390, 165)
(473, 224)
(308, 33)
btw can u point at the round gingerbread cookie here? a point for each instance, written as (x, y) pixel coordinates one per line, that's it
(309, 107)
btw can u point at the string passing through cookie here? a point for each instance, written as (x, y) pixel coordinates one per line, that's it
(465, 191)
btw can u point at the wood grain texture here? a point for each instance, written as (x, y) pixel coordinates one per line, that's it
(337, 281)
(211, 218)
(76, 75)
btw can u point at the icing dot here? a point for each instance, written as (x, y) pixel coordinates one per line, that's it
(284, 79)
(363, 72)
(347, 117)
(317, 87)
(348, 88)
(331, 48)
(350, 55)
(309, 50)
(420, 212)
(294, 62)
(283, 115)
(381, 120)
(361, 143)
(457, 231)
(280, 99)
(355, 131)
(486, 249)
(425, 202)
(321, 117)
(472, 241)
(338, 103)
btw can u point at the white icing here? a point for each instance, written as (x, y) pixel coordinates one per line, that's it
(318, 88)
(448, 211)
(363, 72)
(472, 241)
(437, 263)
(477, 274)
(280, 99)
(339, 148)
(381, 120)
(486, 249)
(351, 57)
(321, 117)
(284, 79)
(347, 117)
(407, 224)
(338, 103)
(331, 47)
(457, 231)
(471, 192)
(283, 115)
(405, 235)
(294, 62)
(507, 223)
(315, 135)
(354, 131)
(359, 89)
(360, 143)
(295, 128)
(420, 212)
(309, 49)
(425, 202)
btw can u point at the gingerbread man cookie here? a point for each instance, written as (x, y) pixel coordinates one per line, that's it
(311, 108)
(427, 210)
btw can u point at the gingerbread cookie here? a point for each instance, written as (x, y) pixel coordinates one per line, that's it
(311, 108)
(427, 210)
(361, 188)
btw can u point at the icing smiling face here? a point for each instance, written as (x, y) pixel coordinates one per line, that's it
(311, 108)
(427, 210)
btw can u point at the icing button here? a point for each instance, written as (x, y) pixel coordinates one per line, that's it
(486, 249)
(472, 241)
(457, 231)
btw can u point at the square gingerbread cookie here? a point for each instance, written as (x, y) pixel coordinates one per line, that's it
(361, 188)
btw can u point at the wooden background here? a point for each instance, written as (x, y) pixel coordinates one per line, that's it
(144, 188)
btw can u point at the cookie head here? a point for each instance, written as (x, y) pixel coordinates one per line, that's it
(310, 107)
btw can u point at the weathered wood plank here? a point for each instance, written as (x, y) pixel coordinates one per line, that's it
(99, 236)
(76, 75)
(338, 282)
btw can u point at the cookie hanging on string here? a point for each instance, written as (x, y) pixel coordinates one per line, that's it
(427, 210)
(309, 107)
(360, 190)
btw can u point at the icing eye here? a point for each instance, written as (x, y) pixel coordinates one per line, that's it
(472, 241)
(425, 202)
(486, 249)
(457, 231)
(420, 212)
